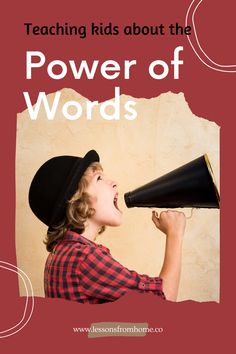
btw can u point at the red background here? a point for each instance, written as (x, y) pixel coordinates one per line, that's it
(188, 326)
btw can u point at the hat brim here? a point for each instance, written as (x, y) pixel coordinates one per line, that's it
(71, 185)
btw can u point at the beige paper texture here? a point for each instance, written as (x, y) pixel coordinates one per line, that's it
(164, 136)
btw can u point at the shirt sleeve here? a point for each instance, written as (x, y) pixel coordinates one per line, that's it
(102, 277)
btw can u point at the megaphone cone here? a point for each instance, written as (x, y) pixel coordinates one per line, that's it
(191, 185)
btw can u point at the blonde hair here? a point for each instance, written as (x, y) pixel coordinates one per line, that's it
(79, 209)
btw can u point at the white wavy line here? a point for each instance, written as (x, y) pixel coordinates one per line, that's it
(26, 303)
(200, 48)
(22, 275)
(194, 27)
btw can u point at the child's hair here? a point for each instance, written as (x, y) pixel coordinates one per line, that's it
(78, 210)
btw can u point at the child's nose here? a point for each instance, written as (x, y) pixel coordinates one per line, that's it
(113, 183)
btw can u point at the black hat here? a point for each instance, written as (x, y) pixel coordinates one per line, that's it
(55, 183)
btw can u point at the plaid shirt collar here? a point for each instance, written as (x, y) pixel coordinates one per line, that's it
(73, 236)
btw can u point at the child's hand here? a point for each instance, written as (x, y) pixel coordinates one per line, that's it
(172, 223)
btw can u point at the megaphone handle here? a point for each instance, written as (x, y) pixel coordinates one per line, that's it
(187, 217)
(190, 216)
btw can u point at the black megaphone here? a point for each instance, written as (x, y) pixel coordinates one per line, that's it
(191, 185)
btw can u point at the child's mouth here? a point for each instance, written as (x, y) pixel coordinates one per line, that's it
(115, 201)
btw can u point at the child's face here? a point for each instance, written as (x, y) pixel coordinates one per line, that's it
(104, 200)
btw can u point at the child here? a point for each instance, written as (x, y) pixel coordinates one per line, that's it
(74, 198)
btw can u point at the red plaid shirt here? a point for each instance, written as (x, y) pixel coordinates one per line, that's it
(79, 269)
